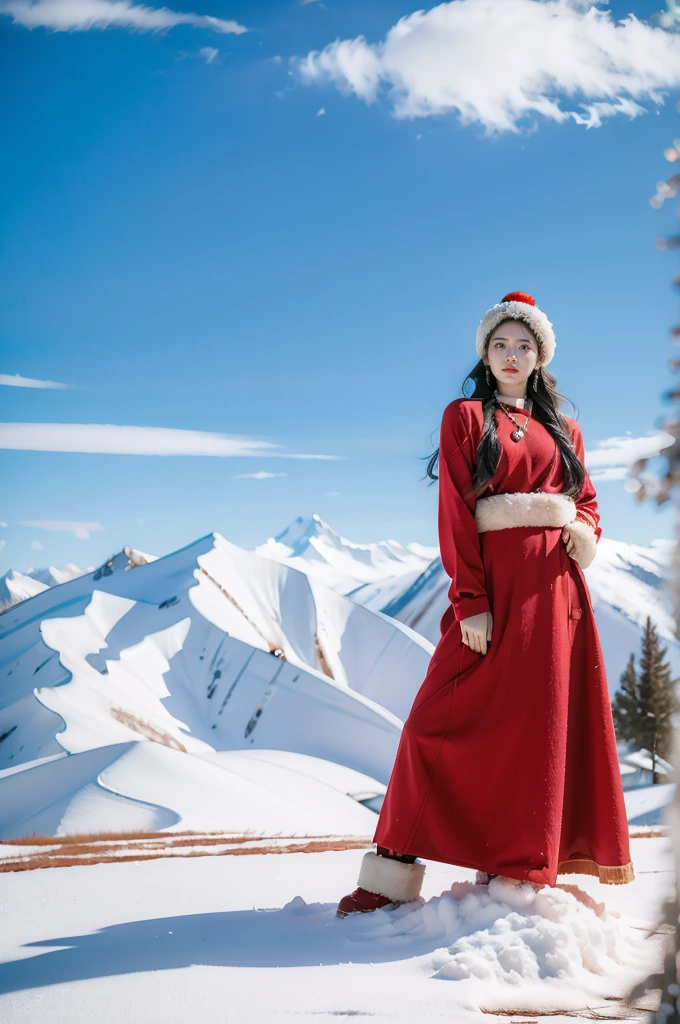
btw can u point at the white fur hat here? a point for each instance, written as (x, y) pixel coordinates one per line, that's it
(518, 306)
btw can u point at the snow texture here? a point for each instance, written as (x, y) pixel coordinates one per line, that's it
(180, 648)
(147, 787)
(255, 938)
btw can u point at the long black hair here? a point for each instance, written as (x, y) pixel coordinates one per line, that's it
(545, 398)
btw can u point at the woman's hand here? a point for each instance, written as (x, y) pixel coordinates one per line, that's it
(580, 542)
(568, 541)
(476, 631)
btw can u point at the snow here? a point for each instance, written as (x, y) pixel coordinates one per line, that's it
(51, 576)
(254, 938)
(148, 787)
(176, 650)
(314, 547)
(17, 586)
(145, 697)
(168, 652)
(644, 805)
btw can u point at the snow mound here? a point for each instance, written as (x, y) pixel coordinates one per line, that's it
(514, 948)
(138, 786)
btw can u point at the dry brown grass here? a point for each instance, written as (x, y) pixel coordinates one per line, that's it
(149, 730)
(110, 837)
(648, 831)
(115, 848)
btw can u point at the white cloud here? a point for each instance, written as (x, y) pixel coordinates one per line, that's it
(208, 53)
(16, 381)
(613, 457)
(81, 15)
(2, 544)
(4, 524)
(321, 112)
(262, 474)
(332, 494)
(36, 545)
(110, 439)
(493, 62)
(82, 530)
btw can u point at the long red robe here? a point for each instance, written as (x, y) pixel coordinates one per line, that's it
(507, 761)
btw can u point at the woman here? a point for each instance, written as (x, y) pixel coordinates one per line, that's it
(507, 762)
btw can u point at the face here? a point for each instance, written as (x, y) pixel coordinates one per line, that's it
(512, 354)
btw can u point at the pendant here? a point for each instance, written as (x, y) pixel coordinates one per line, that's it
(517, 435)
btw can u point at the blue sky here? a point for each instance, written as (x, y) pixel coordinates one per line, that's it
(190, 244)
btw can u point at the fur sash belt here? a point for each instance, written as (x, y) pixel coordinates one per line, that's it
(538, 508)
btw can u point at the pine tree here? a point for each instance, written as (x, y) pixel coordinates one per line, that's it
(643, 707)
(626, 704)
(658, 698)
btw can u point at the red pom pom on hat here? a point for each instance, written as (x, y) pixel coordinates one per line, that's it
(519, 297)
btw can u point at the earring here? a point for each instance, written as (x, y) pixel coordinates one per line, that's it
(488, 377)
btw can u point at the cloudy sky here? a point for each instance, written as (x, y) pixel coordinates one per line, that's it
(247, 245)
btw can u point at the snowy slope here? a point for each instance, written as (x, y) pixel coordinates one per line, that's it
(177, 651)
(253, 939)
(138, 786)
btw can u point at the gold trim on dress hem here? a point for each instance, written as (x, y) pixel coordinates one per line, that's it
(616, 874)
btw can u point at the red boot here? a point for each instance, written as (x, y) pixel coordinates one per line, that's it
(360, 902)
(383, 881)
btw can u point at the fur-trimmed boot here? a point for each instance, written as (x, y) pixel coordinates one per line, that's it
(383, 882)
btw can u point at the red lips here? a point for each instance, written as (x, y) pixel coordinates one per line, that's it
(510, 369)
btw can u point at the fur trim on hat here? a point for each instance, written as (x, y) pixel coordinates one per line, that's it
(532, 316)
(537, 508)
(585, 542)
(399, 881)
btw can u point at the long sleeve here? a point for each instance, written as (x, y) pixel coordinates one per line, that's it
(586, 503)
(458, 535)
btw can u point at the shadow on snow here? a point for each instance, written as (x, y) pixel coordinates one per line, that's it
(293, 936)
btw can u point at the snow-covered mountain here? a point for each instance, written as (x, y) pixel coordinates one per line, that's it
(17, 586)
(309, 647)
(210, 649)
(314, 547)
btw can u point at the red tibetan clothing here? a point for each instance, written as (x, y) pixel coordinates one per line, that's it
(507, 761)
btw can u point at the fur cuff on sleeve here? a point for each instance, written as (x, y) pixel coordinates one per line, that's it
(399, 881)
(585, 542)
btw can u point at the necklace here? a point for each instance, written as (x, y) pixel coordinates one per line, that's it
(519, 433)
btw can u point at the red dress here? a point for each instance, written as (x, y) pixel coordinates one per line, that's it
(507, 761)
